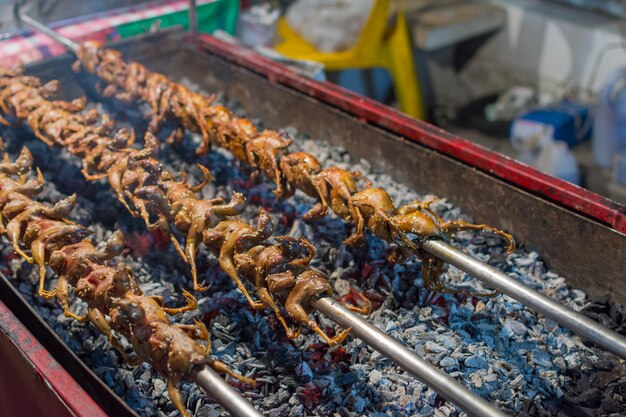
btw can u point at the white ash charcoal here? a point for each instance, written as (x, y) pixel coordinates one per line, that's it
(540, 358)
(435, 347)
(513, 328)
(296, 410)
(475, 361)
(449, 363)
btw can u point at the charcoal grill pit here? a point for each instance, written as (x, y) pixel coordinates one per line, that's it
(253, 86)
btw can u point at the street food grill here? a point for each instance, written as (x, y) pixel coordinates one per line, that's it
(151, 190)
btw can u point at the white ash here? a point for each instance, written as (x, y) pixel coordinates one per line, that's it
(519, 361)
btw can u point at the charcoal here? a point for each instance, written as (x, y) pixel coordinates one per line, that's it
(303, 370)
(540, 358)
(475, 362)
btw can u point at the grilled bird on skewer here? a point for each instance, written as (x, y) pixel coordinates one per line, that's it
(115, 302)
(267, 152)
(163, 199)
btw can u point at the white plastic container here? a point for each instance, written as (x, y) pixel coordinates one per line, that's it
(556, 159)
(256, 26)
(609, 129)
(536, 146)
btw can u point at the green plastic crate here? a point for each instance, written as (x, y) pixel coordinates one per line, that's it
(221, 14)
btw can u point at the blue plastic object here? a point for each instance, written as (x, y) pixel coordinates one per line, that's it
(569, 120)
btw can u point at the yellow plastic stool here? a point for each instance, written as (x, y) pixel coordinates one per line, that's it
(376, 47)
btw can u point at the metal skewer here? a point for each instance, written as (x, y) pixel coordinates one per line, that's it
(193, 18)
(565, 316)
(68, 43)
(407, 359)
(225, 395)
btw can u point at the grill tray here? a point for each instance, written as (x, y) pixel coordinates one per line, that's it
(592, 255)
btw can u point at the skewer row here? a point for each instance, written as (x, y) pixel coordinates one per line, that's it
(183, 107)
(57, 122)
(115, 302)
(413, 228)
(279, 271)
(267, 152)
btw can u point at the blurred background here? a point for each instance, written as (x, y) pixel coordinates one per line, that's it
(543, 81)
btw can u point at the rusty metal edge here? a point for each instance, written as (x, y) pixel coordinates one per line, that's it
(69, 393)
(86, 394)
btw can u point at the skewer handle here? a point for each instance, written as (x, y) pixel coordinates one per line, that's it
(565, 316)
(193, 18)
(225, 395)
(408, 360)
(68, 43)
